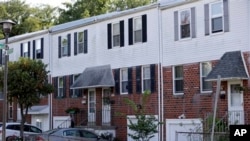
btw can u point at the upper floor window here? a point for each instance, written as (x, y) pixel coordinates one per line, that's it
(38, 49)
(205, 68)
(146, 78)
(124, 81)
(216, 17)
(81, 42)
(185, 17)
(137, 29)
(115, 34)
(64, 43)
(60, 87)
(64, 47)
(178, 79)
(25, 49)
(184, 24)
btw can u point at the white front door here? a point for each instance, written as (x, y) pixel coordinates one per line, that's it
(106, 108)
(235, 103)
(91, 106)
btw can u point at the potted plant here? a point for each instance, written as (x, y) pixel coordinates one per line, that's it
(72, 110)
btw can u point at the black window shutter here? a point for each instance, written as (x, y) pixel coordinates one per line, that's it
(176, 26)
(121, 33)
(75, 43)
(29, 49)
(206, 16)
(117, 81)
(138, 80)
(193, 23)
(85, 50)
(71, 78)
(130, 31)
(144, 28)
(152, 77)
(42, 48)
(59, 46)
(109, 31)
(21, 49)
(55, 82)
(226, 16)
(69, 44)
(1, 57)
(34, 49)
(64, 86)
(130, 78)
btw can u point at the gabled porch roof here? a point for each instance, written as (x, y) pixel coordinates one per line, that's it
(230, 66)
(99, 76)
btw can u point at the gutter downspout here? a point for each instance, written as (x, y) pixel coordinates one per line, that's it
(50, 80)
(160, 76)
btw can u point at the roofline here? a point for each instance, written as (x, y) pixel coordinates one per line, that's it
(26, 36)
(96, 19)
(164, 5)
(227, 78)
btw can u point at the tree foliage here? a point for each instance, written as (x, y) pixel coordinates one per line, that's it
(146, 125)
(86, 8)
(27, 82)
(27, 18)
(128, 4)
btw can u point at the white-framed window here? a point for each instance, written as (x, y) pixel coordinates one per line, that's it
(137, 29)
(124, 81)
(116, 34)
(216, 18)
(38, 50)
(146, 78)
(39, 123)
(80, 47)
(75, 91)
(25, 50)
(178, 79)
(64, 46)
(10, 111)
(60, 87)
(205, 68)
(185, 24)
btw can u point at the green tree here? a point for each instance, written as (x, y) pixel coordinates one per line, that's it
(27, 18)
(27, 81)
(128, 4)
(146, 125)
(81, 9)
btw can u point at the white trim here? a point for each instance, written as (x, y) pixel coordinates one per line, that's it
(244, 63)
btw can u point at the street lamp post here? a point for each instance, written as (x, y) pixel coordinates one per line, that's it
(7, 26)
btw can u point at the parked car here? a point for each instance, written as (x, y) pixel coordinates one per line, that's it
(67, 134)
(13, 130)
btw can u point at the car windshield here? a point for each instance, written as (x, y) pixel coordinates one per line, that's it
(1, 124)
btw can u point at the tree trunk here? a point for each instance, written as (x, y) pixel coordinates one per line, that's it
(23, 116)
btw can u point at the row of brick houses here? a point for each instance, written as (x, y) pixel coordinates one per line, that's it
(174, 48)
